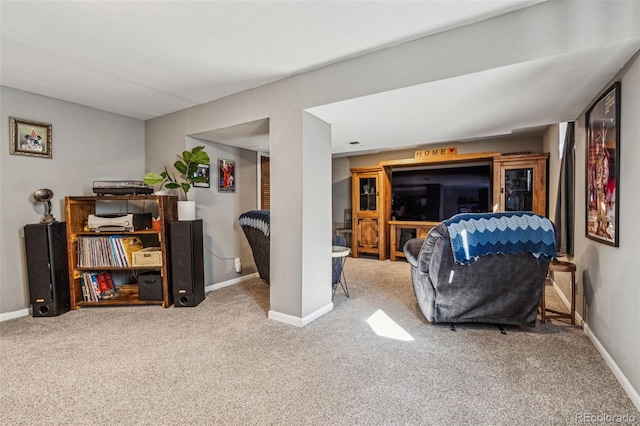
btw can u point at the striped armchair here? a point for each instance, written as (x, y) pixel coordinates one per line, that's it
(256, 227)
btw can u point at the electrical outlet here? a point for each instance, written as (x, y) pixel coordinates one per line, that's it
(238, 265)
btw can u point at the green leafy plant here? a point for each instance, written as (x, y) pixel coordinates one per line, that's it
(187, 166)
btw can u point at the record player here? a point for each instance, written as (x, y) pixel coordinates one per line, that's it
(121, 187)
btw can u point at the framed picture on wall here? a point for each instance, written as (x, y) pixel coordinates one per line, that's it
(603, 168)
(31, 138)
(226, 176)
(203, 172)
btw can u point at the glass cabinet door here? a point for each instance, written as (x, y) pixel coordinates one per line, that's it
(520, 183)
(369, 204)
(518, 189)
(368, 193)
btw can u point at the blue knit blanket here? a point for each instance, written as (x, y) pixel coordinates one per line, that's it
(478, 234)
(258, 219)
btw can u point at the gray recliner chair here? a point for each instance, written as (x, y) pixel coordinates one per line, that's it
(494, 288)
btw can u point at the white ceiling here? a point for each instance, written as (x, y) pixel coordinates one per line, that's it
(492, 103)
(144, 59)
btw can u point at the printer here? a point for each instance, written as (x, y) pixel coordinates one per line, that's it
(120, 222)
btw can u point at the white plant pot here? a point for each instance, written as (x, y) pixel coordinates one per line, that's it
(161, 192)
(186, 210)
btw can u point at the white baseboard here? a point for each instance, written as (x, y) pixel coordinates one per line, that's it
(277, 316)
(227, 283)
(622, 379)
(24, 312)
(624, 382)
(16, 314)
(301, 322)
(567, 302)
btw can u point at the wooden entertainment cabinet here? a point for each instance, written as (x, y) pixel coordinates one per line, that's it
(78, 209)
(519, 183)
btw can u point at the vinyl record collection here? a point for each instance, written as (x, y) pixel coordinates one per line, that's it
(108, 251)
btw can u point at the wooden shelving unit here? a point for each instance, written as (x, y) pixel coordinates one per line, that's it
(420, 229)
(77, 211)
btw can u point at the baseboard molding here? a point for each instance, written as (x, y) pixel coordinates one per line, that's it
(566, 302)
(25, 312)
(301, 322)
(16, 314)
(233, 281)
(624, 382)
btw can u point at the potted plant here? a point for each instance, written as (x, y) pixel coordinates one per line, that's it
(187, 166)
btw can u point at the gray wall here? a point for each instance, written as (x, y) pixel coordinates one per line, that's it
(93, 145)
(608, 292)
(87, 145)
(609, 287)
(537, 32)
(168, 136)
(223, 237)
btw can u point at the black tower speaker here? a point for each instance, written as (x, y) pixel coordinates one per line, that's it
(47, 268)
(187, 263)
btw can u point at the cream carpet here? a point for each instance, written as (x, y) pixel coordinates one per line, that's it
(224, 362)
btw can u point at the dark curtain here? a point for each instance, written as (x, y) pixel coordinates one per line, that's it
(565, 204)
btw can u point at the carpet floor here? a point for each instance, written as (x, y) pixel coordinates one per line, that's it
(225, 362)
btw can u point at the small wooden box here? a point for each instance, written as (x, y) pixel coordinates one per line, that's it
(150, 256)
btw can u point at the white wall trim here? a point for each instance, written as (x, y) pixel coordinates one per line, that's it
(624, 382)
(566, 302)
(301, 322)
(15, 314)
(25, 312)
(227, 283)
(622, 379)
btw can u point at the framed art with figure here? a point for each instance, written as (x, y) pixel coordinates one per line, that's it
(603, 168)
(226, 176)
(31, 138)
(203, 171)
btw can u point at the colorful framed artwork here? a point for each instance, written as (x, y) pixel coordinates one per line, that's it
(203, 172)
(603, 168)
(31, 138)
(226, 176)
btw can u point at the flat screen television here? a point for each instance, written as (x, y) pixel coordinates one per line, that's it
(435, 193)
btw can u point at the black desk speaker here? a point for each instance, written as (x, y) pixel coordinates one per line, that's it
(47, 268)
(187, 263)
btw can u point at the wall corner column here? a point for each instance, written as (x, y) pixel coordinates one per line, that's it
(300, 269)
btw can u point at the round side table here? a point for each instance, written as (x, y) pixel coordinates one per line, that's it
(341, 253)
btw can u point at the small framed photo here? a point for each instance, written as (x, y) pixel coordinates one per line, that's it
(30, 138)
(226, 176)
(203, 172)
